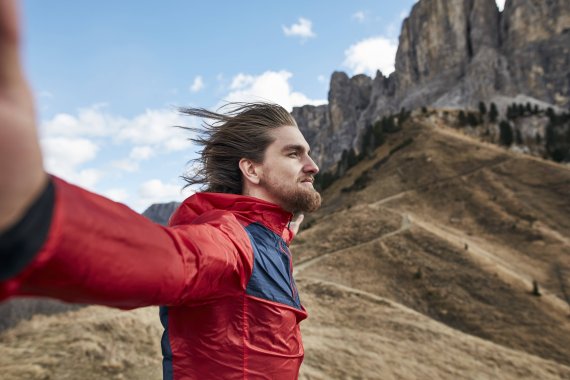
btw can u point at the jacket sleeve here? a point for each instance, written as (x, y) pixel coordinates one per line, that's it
(101, 252)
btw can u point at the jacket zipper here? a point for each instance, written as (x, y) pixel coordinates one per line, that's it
(291, 282)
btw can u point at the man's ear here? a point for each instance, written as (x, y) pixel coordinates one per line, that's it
(250, 170)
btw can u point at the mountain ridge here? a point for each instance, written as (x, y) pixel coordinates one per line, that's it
(450, 54)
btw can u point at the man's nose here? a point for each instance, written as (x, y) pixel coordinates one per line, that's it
(311, 167)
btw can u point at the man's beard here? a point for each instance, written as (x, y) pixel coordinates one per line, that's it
(294, 198)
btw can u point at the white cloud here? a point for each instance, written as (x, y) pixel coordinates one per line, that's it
(63, 156)
(154, 128)
(322, 79)
(69, 151)
(87, 178)
(126, 165)
(198, 84)
(371, 54)
(71, 143)
(156, 188)
(270, 86)
(141, 153)
(177, 143)
(91, 121)
(500, 4)
(241, 81)
(156, 191)
(359, 16)
(301, 29)
(137, 154)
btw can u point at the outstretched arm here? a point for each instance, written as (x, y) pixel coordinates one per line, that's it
(101, 252)
(95, 250)
(22, 177)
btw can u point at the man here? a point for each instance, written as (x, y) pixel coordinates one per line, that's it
(222, 270)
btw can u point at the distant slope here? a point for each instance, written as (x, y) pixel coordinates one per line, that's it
(89, 344)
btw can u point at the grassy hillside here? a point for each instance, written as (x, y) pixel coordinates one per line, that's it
(456, 230)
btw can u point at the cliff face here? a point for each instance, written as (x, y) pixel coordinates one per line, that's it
(451, 53)
(331, 128)
(535, 38)
(438, 43)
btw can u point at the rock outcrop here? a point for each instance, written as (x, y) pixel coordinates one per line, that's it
(535, 39)
(330, 127)
(160, 212)
(451, 53)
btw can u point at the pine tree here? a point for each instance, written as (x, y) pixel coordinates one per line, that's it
(505, 133)
(472, 119)
(482, 108)
(511, 112)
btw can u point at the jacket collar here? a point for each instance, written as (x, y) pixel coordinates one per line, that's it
(247, 209)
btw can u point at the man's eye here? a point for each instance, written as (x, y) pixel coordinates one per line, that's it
(293, 154)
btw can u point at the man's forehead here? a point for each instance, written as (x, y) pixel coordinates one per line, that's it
(289, 137)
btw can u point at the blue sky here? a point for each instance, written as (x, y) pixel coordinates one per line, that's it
(108, 75)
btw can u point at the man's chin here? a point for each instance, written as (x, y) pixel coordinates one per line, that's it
(310, 201)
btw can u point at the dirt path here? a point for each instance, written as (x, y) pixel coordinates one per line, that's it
(405, 225)
(365, 294)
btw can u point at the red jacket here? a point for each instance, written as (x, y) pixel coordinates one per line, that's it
(222, 271)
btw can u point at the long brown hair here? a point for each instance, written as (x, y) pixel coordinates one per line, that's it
(238, 130)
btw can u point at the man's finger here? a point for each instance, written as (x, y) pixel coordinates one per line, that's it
(10, 70)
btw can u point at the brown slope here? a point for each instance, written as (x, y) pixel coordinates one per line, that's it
(359, 335)
(471, 226)
(89, 344)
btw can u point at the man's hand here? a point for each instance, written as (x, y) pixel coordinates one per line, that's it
(295, 224)
(22, 177)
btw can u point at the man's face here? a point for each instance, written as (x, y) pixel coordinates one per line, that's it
(288, 171)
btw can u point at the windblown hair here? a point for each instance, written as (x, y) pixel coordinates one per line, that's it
(242, 131)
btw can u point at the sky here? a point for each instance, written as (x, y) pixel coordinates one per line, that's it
(108, 76)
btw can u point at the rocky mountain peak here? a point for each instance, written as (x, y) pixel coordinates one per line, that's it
(451, 54)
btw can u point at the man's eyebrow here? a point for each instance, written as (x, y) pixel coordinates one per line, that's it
(296, 147)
